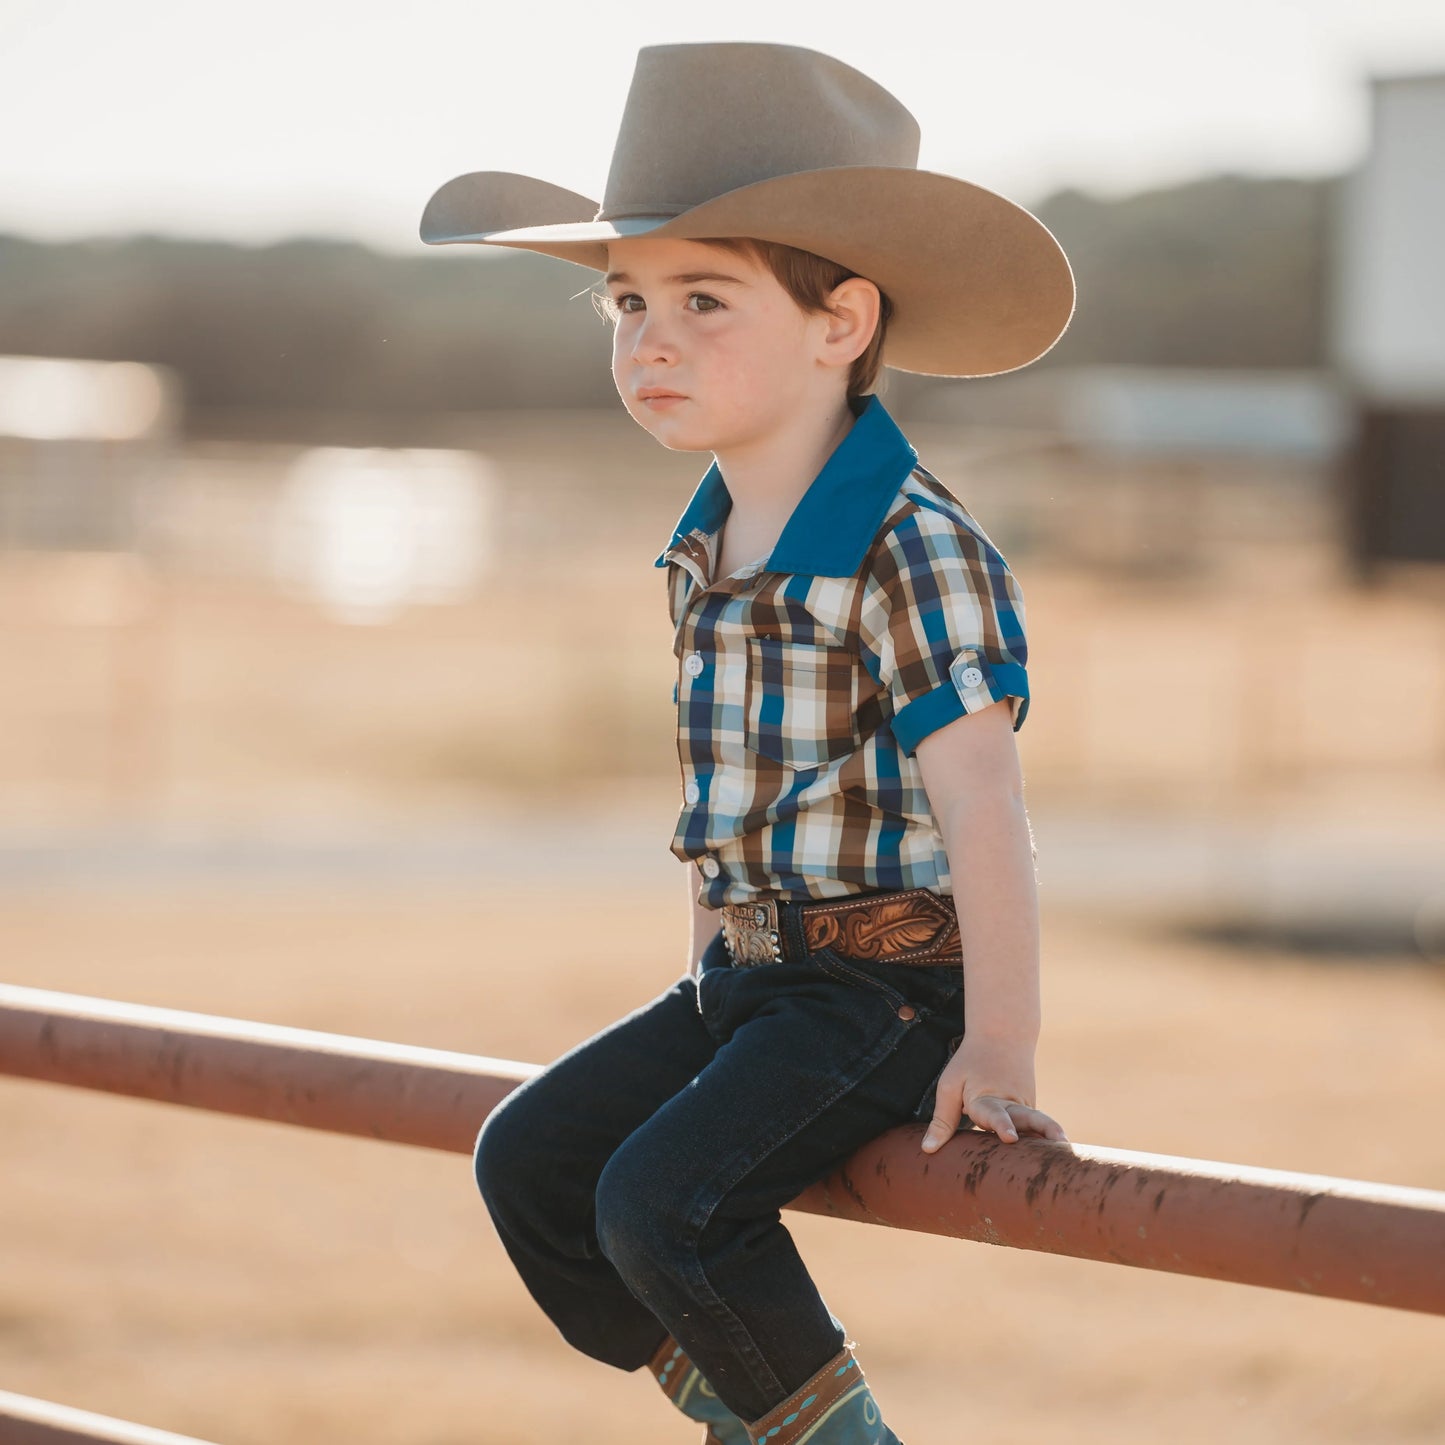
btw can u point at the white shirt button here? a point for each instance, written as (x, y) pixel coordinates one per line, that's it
(710, 866)
(693, 664)
(692, 792)
(970, 677)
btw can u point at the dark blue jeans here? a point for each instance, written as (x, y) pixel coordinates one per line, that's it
(636, 1182)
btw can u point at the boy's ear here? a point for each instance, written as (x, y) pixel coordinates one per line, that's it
(854, 307)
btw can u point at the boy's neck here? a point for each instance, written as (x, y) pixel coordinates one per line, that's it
(768, 480)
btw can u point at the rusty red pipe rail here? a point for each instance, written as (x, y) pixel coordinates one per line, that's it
(1311, 1233)
(25, 1421)
(405, 1095)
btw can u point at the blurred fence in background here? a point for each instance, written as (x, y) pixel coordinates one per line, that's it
(215, 624)
(1191, 623)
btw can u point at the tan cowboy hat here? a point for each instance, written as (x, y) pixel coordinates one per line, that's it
(787, 144)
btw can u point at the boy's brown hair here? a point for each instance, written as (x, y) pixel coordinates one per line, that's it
(808, 278)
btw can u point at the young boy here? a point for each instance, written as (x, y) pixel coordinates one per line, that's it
(852, 671)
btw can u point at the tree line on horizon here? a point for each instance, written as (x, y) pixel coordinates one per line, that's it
(1226, 271)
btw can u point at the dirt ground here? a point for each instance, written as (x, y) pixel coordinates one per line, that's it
(253, 1284)
(182, 764)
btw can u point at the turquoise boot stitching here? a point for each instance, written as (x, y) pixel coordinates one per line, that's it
(692, 1394)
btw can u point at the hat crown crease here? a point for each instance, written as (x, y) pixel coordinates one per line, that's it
(700, 121)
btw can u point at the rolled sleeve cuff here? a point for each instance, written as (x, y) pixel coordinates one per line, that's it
(974, 683)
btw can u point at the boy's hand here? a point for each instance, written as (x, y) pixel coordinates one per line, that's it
(992, 1082)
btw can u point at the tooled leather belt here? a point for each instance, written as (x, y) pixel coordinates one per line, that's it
(910, 926)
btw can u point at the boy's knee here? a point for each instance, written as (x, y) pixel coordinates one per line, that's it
(500, 1151)
(641, 1207)
(621, 1213)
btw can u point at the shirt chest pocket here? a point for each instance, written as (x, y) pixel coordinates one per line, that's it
(801, 702)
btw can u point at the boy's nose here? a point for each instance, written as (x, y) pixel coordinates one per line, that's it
(652, 341)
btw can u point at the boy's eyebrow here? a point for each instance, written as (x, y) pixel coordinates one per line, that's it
(687, 278)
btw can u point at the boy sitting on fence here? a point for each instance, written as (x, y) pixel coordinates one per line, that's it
(852, 670)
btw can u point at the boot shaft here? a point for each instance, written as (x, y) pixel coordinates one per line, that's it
(685, 1385)
(834, 1407)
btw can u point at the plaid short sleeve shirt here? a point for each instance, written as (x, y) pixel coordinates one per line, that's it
(807, 679)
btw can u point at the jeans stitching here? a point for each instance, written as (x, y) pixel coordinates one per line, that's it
(828, 960)
(836, 967)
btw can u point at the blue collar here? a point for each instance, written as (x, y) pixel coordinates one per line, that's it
(836, 519)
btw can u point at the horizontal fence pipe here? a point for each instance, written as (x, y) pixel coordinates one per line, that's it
(24, 1421)
(404, 1095)
(1315, 1234)
(1309, 1233)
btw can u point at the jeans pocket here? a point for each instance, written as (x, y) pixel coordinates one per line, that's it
(928, 987)
(923, 1110)
(899, 983)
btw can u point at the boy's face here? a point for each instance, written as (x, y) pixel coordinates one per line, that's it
(716, 328)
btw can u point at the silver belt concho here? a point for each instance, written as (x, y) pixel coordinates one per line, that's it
(750, 932)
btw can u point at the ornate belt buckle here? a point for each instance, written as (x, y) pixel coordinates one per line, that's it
(750, 932)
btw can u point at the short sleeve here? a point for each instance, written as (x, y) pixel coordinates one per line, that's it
(941, 625)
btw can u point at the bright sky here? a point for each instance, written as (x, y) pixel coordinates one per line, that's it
(340, 117)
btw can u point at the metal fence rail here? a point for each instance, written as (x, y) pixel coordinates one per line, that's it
(24, 1421)
(1310, 1233)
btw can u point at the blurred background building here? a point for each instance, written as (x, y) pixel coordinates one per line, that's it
(1389, 336)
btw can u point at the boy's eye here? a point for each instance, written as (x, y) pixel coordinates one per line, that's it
(623, 302)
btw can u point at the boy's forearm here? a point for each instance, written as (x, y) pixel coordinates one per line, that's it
(990, 861)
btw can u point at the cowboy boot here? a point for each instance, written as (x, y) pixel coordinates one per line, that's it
(834, 1407)
(684, 1384)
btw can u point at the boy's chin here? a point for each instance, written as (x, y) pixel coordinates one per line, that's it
(676, 438)
(684, 446)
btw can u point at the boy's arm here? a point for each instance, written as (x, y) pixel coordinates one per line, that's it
(971, 773)
(704, 923)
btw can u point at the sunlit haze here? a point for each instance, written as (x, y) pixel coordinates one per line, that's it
(272, 119)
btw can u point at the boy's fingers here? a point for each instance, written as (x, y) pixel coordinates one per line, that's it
(997, 1117)
(1041, 1123)
(1005, 1128)
(991, 1113)
(983, 1113)
(941, 1127)
(1007, 1117)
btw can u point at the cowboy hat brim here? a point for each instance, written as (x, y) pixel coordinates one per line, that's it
(979, 285)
